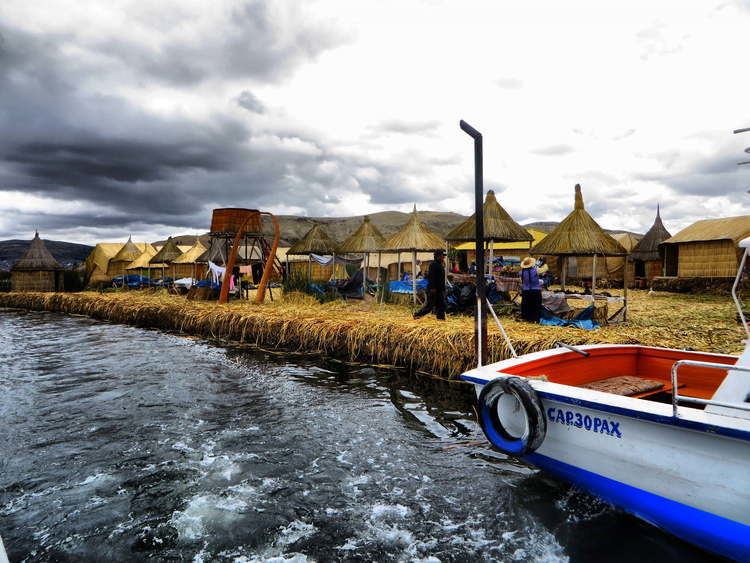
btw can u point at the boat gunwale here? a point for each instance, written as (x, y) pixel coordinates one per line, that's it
(688, 418)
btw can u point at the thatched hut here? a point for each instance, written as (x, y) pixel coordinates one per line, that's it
(189, 263)
(519, 248)
(611, 268)
(141, 264)
(413, 237)
(499, 227)
(37, 269)
(647, 257)
(165, 256)
(119, 262)
(365, 240)
(316, 241)
(579, 235)
(97, 263)
(707, 248)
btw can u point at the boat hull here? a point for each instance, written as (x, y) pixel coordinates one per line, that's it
(687, 475)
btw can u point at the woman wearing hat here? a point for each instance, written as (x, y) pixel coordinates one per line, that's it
(531, 291)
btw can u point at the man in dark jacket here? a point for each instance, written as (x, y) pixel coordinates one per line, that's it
(435, 288)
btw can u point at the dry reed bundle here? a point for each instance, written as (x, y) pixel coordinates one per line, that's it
(387, 335)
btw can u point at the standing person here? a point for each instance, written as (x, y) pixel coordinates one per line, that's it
(531, 291)
(435, 288)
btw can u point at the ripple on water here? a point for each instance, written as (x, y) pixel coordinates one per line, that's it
(132, 444)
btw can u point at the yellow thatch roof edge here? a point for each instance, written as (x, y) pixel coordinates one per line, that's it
(724, 228)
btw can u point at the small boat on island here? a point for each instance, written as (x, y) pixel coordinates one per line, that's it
(664, 434)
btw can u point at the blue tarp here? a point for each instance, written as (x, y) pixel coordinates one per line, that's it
(581, 320)
(405, 286)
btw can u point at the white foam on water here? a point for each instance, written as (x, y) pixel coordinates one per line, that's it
(97, 477)
(385, 511)
(293, 532)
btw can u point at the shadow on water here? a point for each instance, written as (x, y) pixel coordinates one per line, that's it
(122, 444)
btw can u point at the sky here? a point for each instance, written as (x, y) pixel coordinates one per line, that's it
(139, 117)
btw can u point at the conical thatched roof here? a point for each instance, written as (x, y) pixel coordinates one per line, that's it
(414, 235)
(127, 253)
(167, 253)
(192, 254)
(648, 247)
(36, 258)
(366, 238)
(579, 235)
(316, 241)
(143, 260)
(499, 226)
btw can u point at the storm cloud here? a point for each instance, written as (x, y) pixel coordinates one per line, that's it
(67, 142)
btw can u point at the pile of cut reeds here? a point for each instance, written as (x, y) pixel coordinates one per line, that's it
(387, 334)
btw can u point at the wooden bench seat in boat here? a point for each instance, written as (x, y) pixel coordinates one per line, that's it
(626, 385)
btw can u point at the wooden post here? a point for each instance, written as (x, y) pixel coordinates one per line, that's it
(398, 268)
(446, 263)
(492, 257)
(564, 273)
(365, 266)
(378, 277)
(309, 268)
(333, 265)
(593, 279)
(414, 276)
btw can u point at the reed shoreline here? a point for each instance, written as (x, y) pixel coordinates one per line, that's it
(386, 334)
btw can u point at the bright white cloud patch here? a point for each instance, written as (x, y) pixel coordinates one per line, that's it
(141, 116)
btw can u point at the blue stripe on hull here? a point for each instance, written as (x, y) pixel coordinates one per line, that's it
(714, 533)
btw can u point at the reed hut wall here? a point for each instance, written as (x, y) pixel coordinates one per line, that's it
(318, 272)
(197, 271)
(36, 280)
(708, 259)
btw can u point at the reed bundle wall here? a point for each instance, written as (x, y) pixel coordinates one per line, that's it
(318, 272)
(197, 271)
(710, 259)
(118, 268)
(23, 280)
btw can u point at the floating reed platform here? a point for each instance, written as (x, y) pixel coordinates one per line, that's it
(387, 334)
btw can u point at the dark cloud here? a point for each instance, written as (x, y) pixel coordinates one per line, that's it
(250, 102)
(554, 150)
(714, 175)
(250, 42)
(125, 165)
(408, 127)
(509, 83)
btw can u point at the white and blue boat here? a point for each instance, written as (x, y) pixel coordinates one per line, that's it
(664, 434)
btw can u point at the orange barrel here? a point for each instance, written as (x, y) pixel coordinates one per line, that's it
(230, 219)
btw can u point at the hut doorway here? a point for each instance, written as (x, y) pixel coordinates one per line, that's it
(640, 269)
(671, 259)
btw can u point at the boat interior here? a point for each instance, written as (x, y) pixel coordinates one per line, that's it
(634, 371)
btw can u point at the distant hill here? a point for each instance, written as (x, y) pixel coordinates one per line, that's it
(294, 227)
(69, 254)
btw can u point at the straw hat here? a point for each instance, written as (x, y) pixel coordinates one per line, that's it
(528, 262)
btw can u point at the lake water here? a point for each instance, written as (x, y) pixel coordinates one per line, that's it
(126, 444)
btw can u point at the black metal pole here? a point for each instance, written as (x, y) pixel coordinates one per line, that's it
(480, 326)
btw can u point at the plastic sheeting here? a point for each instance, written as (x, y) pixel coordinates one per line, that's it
(405, 286)
(582, 320)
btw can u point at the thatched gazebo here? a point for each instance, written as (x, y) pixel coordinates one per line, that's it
(186, 265)
(365, 240)
(413, 237)
(119, 262)
(579, 235)
(37, 269)
(648, 256)
(142, 262)
(165, 256)
(499, 226)
(316, 241)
